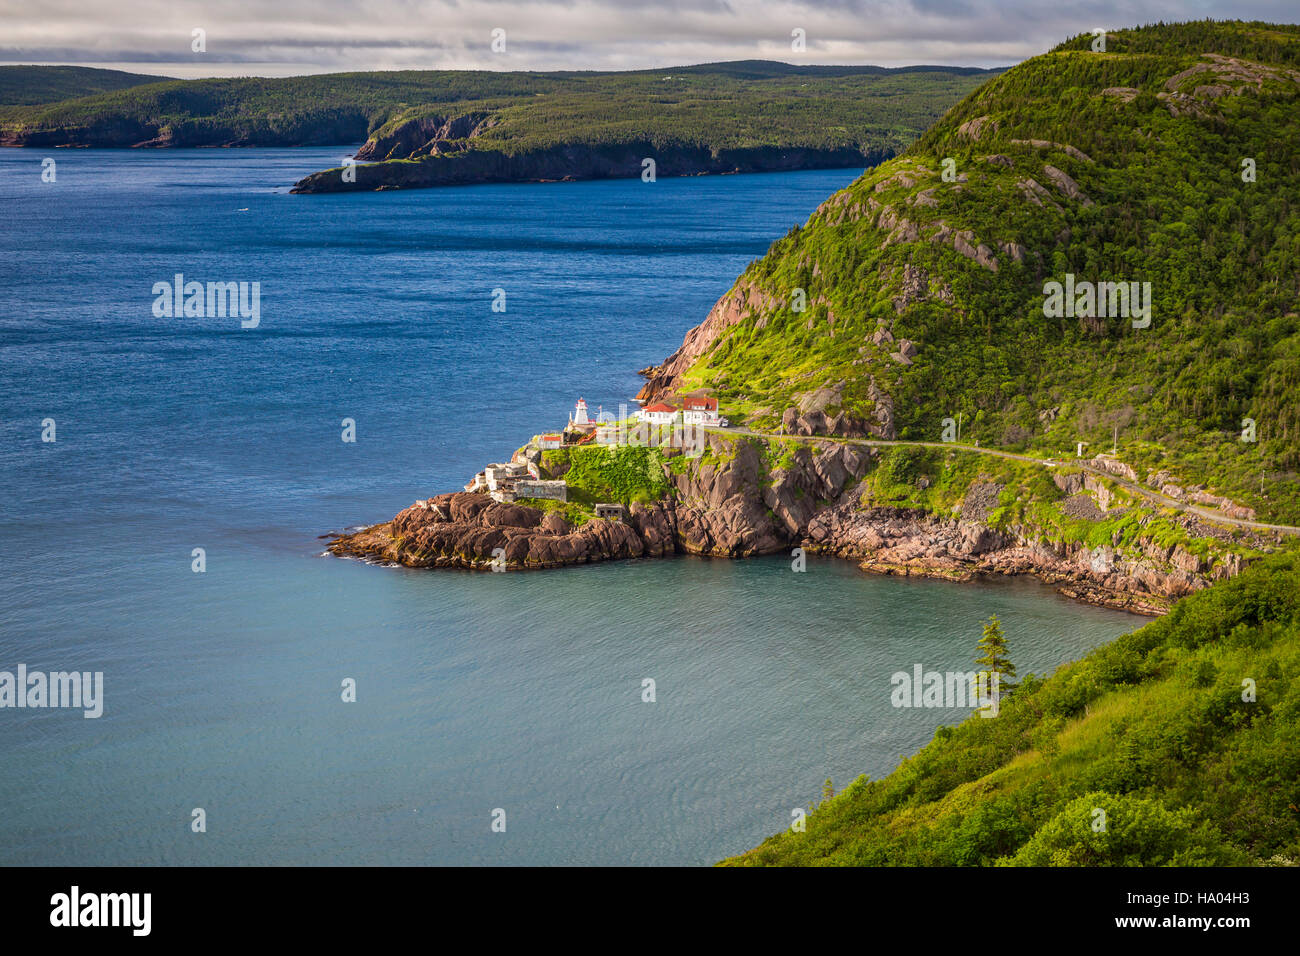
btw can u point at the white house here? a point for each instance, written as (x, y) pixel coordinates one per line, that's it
(660, 414)
(550, 441)
(699, 410)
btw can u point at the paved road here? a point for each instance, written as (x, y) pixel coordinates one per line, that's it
(1150, 494)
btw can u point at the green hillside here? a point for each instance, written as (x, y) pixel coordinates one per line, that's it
(765, 104)
(717, 106)
(1155, 730)
(31, 85)
(925, 295)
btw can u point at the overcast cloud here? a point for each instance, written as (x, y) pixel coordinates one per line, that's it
(282, 37)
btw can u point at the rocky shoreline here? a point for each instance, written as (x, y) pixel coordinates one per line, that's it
(574, 161)
(727, 505)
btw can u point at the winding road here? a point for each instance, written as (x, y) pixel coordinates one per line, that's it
(1150, 494)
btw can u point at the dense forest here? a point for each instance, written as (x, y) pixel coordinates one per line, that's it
(717, 106)
(31, 85)
(1167, 160)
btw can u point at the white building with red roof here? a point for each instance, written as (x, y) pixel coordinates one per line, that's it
(700, 410)
(660, 414)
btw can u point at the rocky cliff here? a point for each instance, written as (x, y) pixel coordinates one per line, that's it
(426, 136)
(735, 501)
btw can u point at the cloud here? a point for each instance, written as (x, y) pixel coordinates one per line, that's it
(309, 36)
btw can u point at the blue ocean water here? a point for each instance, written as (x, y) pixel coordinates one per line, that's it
(474, 691)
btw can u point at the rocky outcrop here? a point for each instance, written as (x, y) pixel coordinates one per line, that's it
(720, 510)
(1115, 467)
(974, 128)
(733, 502)
(744, 299)
(1225, 505)
(811, 423)
(1066, 185)
(965, 242)
(470, 530)
(1145, 578)
(917, 286)
(816, 414)
(1047, 144)
(425, 136)
(728, 505)
(1197, 495)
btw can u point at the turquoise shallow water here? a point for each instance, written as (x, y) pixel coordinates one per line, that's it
(519, 691)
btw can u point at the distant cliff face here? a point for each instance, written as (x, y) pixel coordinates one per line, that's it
(427, 135)
(454, 163)
(738, 501)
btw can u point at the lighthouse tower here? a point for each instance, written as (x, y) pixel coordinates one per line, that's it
(579, 416)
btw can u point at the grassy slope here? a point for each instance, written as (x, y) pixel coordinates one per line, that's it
(1152, 729)
(718, 105)
(1168, 206)
(33, 85)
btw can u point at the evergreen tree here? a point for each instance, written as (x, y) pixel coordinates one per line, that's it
(993, 656)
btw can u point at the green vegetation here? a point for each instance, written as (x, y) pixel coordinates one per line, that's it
(1029, 502)
(779, 453)
(1114, 166)
(574, 512)
(1173, 745)
(31, 85)
(993, 656)
(864, 111)
(616, 474)
(868, 110)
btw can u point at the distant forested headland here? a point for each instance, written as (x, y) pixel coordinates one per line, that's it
(449, 126)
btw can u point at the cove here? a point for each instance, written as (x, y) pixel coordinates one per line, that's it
(473, 691)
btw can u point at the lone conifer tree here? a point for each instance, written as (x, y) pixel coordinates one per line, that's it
(993, 655)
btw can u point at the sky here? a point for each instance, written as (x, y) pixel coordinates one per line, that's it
(291, 37)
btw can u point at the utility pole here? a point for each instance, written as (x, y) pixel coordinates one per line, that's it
(1114, 445)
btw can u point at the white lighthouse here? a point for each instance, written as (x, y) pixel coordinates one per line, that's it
(579, 414)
